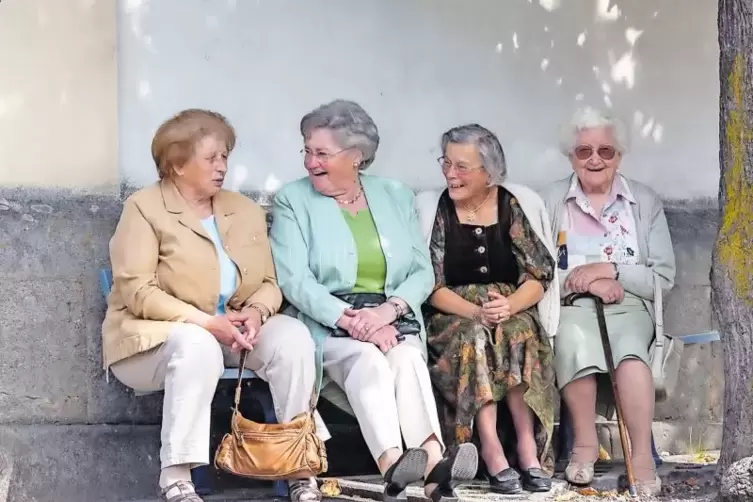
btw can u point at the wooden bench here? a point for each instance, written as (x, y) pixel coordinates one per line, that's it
(202, 476)
(565, 436)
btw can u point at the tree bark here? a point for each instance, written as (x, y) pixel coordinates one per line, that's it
(732, 258)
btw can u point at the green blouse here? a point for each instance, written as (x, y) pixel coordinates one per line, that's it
(372, 267)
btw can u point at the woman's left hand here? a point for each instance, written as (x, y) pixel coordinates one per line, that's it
(366, 322)
(582, 276)
(496, 310)
(250, 319)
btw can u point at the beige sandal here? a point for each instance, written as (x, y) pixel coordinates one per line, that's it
(579, 473)
(304, 490)
(185, 493)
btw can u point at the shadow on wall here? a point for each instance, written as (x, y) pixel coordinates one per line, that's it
(420, 67)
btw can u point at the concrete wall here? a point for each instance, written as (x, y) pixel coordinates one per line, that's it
(419, 67)
(58, 94)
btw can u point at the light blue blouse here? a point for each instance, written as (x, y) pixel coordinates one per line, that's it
(227, 267)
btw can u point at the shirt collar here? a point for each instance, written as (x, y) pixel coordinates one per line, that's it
(619, 189)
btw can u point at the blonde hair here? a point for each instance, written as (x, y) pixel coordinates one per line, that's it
(174, 142)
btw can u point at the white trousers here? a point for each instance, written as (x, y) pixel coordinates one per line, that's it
(390, 393)
(188, 366)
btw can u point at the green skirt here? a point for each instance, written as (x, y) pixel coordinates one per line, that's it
(578, 349)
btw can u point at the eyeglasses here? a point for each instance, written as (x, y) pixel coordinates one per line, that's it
(322, 157)
(446, 164)
(585, 152)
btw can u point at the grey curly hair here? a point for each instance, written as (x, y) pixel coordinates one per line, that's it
(351, 126)
(489, 148)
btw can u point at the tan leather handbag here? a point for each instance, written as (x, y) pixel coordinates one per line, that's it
(271, 451)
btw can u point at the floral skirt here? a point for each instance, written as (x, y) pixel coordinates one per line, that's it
(471, 365)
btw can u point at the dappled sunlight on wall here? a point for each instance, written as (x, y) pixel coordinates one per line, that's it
(422, 66)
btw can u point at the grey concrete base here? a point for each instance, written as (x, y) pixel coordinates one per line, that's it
(82, 463)
(671, 438)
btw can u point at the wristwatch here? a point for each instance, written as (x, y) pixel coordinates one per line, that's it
(263, 313)
(616, 271)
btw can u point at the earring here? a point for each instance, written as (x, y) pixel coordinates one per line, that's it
(356, 164)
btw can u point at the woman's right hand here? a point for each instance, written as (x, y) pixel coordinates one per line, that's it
(609, 290)
(226, 333)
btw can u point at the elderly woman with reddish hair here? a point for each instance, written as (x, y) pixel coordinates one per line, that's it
(193, 283)
(613, 242)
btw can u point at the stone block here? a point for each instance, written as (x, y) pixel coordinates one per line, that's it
(699, 395)
(693, 229)
(43, 340)
(85, 463)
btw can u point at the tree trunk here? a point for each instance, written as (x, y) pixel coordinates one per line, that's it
(732, 259)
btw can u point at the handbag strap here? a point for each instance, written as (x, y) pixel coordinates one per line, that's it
(658, 315)
(238, 387)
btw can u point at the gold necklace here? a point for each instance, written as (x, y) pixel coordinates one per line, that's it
(354, 199)
(471, 216)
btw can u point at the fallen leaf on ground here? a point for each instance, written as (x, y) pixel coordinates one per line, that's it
(691, 481)
(331, 488)
(565, 496)
(603, 454)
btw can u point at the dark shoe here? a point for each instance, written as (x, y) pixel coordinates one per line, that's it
(506, 482)
(409, 468)
(536, 480)
(460, 463)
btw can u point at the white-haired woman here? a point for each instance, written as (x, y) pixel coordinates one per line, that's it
(613, 241)
(493, 308)
(351, 261)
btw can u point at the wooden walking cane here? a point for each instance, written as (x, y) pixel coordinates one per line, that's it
(569, 300)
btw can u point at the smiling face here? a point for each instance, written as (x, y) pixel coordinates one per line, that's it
(332, 169)
(595, 158)
(463, 169)
(205, 171)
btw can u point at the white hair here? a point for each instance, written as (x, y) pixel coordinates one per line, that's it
(590, 118)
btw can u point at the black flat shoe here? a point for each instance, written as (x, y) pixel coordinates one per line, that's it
(409, 468)
(460, 463)
(536, 480)
(506, 482)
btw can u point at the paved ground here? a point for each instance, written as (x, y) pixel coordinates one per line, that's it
(685, 478)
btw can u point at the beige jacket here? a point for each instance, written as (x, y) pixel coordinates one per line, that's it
(165, 266)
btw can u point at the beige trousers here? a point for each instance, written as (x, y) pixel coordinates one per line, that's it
(389, 393)
(188, 366)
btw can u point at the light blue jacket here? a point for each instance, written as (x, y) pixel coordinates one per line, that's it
(315, 254)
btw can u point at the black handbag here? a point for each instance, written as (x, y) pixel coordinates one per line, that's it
(405, 325)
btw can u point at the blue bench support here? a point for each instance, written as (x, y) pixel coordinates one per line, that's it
(565, 435)
(202, 476)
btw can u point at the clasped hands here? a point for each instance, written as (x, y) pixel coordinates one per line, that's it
(597, 279)
(237, 330)
(372, 324)
(494, 311)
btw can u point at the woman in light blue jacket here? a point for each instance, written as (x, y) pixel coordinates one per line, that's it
(351, 260)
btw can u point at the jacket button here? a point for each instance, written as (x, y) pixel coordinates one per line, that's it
(478, 231)
(481, 249)
(484, 270)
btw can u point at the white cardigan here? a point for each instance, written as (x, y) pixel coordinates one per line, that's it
(534, 209)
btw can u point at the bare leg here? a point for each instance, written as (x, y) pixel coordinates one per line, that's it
(491, 447)
(388, 458)
(636, 388)
(434, 450)
(522, 417)
(580, 397)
